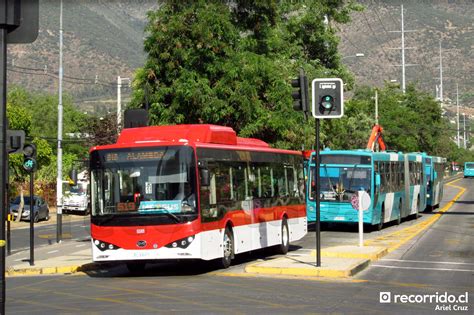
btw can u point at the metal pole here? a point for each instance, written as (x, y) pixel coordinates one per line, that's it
(7, 199)
(403, 54)
(32, 220)
(440, 74)
(3, 154)
(119, 103)
(59, 179)
(457, 114)
(376, 107)
(361, 220)
(464, 138)
(317, 192)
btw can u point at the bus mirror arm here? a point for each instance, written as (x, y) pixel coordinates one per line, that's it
(205, 180)
(377, 179)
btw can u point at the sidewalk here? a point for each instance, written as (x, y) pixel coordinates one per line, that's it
(74, 255)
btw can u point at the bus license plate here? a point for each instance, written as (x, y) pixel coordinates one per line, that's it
(339, 218)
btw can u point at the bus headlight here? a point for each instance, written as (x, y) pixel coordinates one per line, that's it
(182, 243)
(104, 245)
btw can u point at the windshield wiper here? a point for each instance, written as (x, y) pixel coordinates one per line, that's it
(167, 212)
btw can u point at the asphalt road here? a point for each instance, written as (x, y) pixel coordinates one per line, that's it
(74, 228)
(439, 261)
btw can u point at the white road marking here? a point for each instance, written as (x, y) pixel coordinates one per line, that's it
(53, 251)
(20, 259)
(428, 262)
(81, 245)
(417, 268)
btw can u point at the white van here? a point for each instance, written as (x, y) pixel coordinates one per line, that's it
(76, 198)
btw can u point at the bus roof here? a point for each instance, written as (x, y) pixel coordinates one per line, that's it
(199, 135)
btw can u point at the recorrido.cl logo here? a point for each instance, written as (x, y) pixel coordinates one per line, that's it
(385, 297)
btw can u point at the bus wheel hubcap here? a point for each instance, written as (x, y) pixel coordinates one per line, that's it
(227, 246)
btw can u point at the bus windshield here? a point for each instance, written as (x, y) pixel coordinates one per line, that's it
(469, 166)
(143, 181)
(339, 184)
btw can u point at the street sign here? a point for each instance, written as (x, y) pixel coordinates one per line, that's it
(24, 29)
(361, 201)
(15, 141)
(328, 98)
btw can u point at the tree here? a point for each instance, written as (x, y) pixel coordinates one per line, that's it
(210, 62)
(101, 130)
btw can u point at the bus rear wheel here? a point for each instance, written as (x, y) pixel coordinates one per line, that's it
(399, 219)
(382, 216)
(285, 239)
(228, 250)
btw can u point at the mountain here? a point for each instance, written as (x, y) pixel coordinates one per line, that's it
(448, 21)
(103, 39)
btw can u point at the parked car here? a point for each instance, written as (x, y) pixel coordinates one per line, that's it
(41, 210)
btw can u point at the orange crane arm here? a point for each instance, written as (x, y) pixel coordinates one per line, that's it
(376, 136)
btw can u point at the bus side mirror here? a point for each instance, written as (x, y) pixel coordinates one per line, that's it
(205, 179)
(435, 174)
(377, 179)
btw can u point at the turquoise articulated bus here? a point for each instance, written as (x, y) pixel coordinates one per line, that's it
(468, 169)
(415, 169)
(380, 174)
(434, 170)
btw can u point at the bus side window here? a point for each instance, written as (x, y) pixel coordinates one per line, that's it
(239, 181)
(279, 182)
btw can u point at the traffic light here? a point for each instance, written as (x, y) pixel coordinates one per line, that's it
(300, 95)
(29, 158)
(328, 98)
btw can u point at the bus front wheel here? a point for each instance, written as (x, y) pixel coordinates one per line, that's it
(228, 250)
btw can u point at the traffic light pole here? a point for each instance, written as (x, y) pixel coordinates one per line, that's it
(317, 192)
(3, 157)
(32, 220)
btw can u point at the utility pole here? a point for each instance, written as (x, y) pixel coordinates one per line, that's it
(403, 53)
(59, 179)
(119, 101)
(403, 65)
(440, 74)
(376, 107)
(457, 112)
(464, 128)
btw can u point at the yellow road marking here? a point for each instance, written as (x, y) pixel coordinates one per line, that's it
(396, 239)
(51, 236)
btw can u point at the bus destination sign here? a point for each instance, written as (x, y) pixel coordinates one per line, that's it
(133, 156)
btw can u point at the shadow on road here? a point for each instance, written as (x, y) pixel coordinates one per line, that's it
(181, 267)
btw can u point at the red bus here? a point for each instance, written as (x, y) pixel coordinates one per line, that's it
(193, 192)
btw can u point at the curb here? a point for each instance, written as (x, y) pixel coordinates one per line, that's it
(313, 272)
(52, 270)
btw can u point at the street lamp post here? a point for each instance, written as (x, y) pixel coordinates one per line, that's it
(119, 101)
